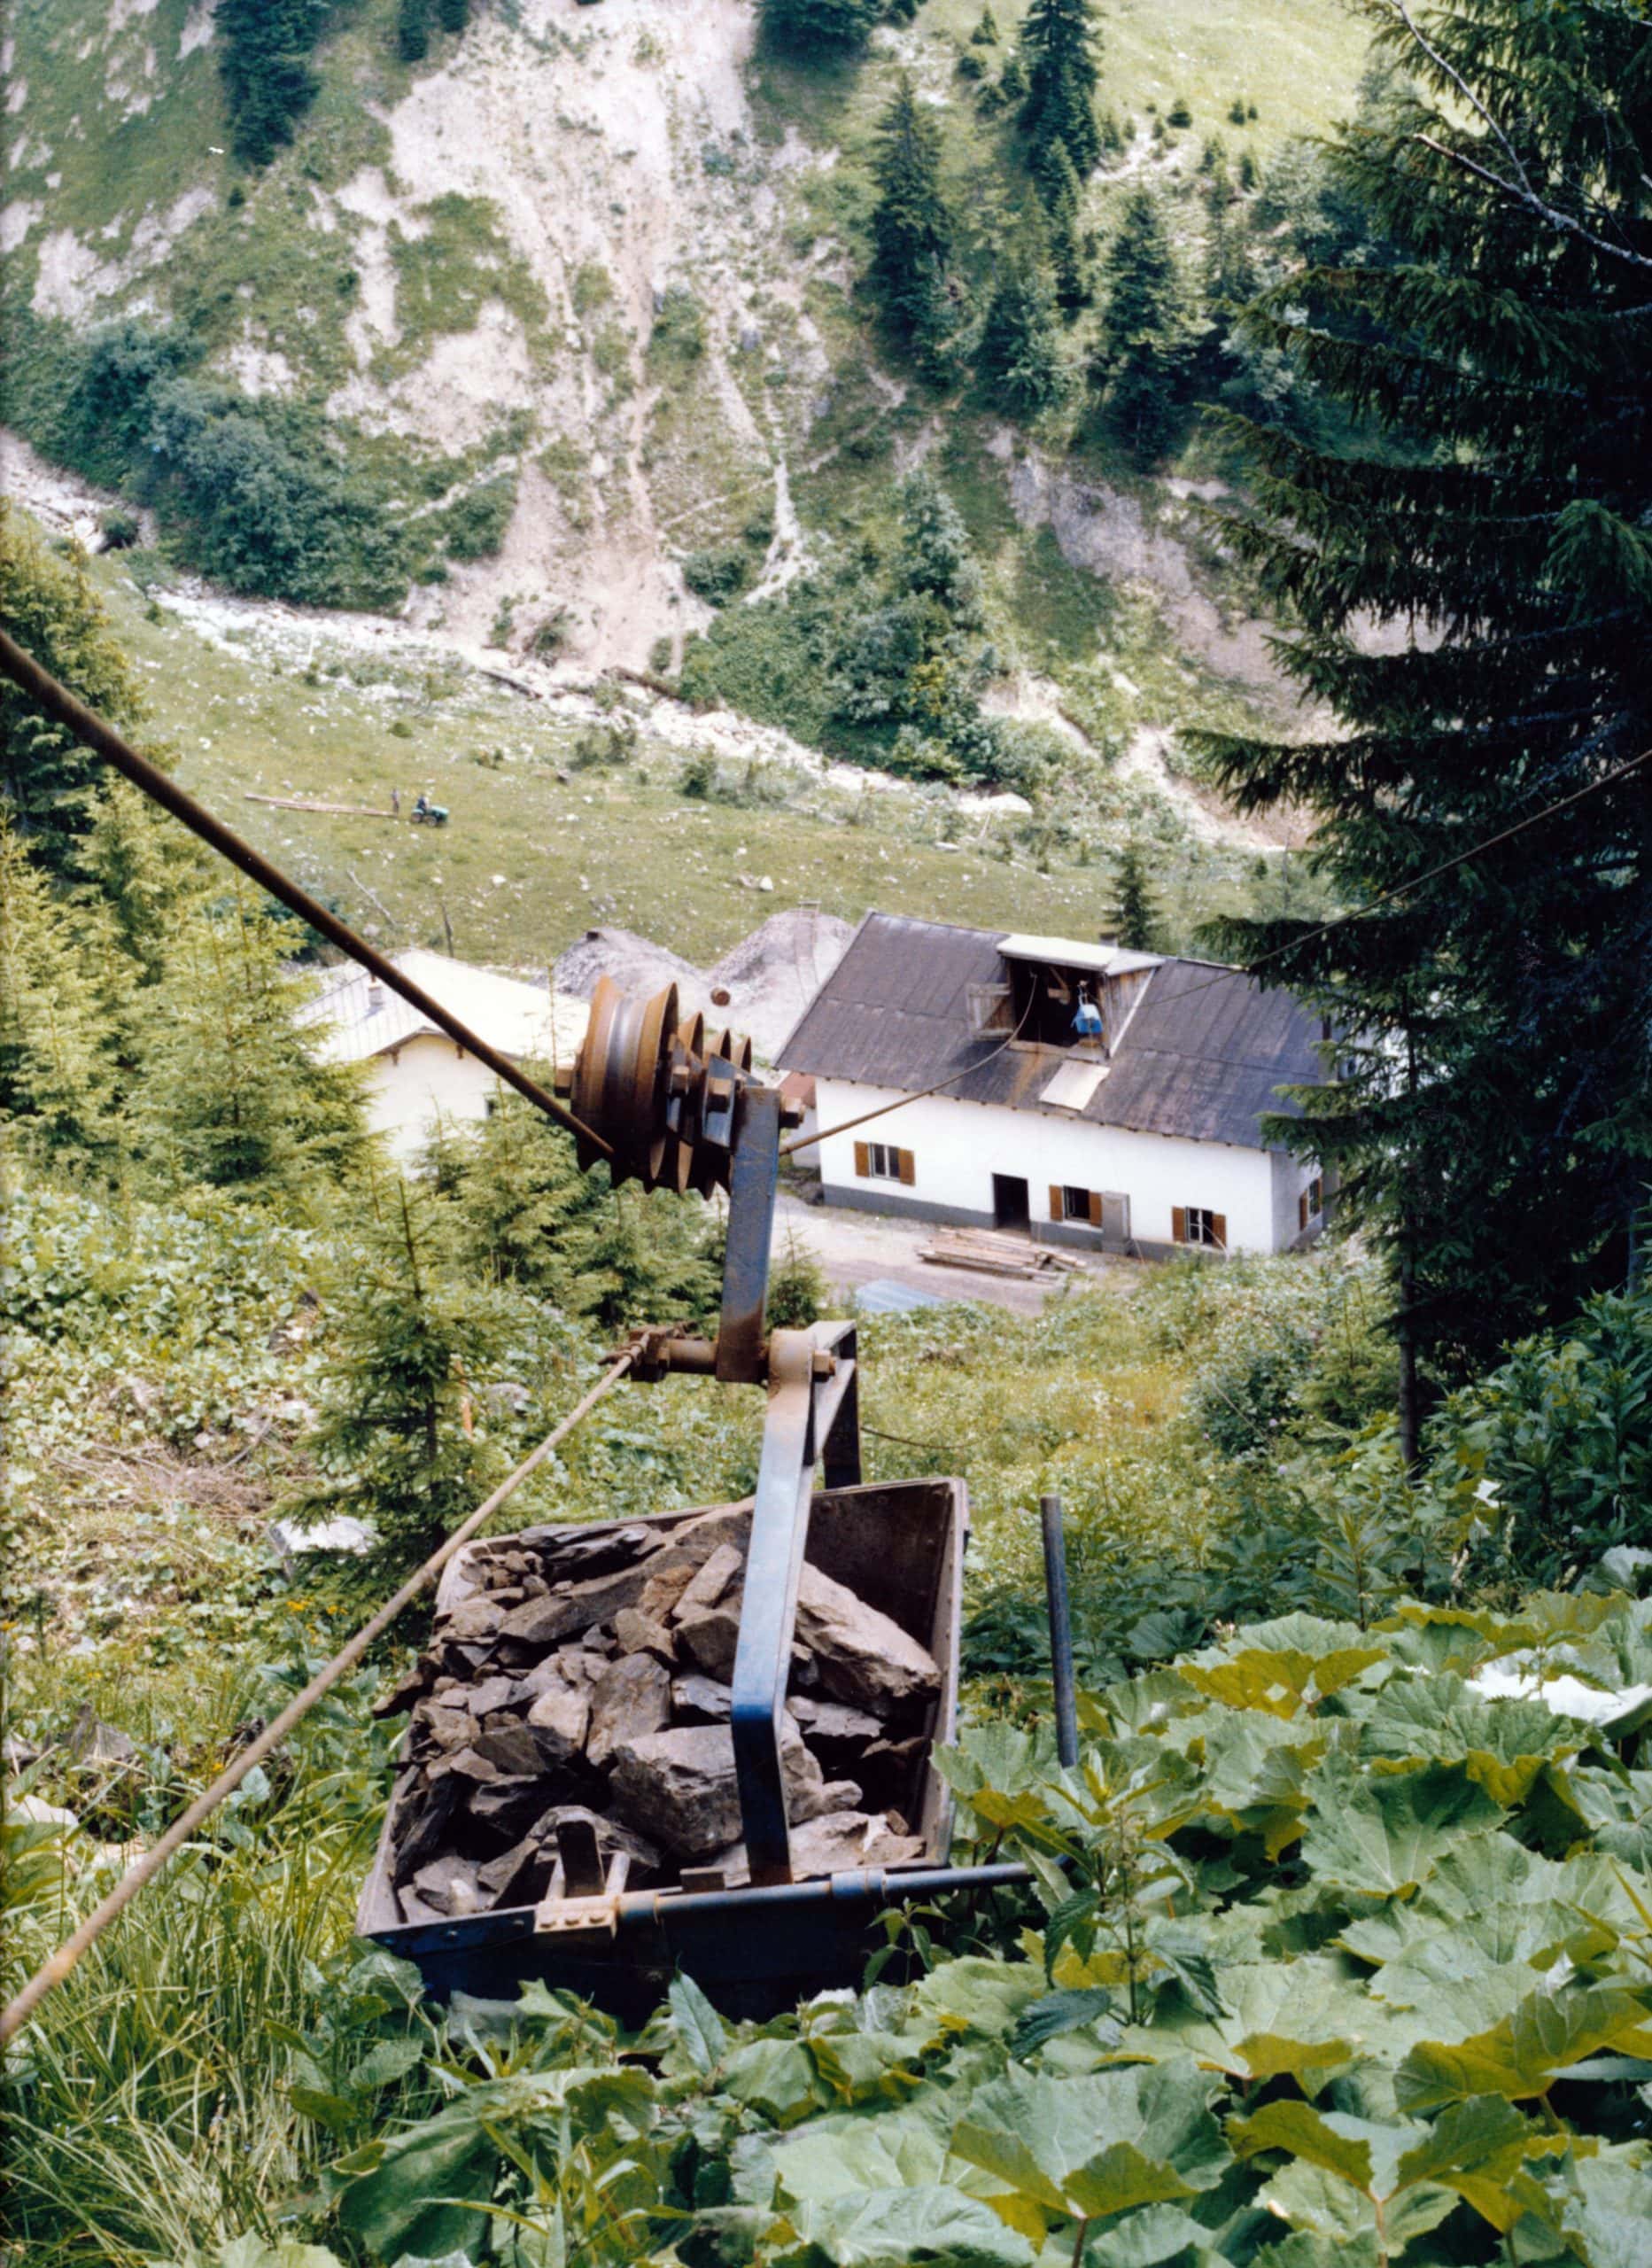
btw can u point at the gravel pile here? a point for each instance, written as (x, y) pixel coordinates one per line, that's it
(585, 1674)
(768, 977)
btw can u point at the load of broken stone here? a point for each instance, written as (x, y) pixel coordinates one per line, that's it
(585, 1674)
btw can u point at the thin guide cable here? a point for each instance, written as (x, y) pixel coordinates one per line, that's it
(142, 1871)
(1291, 945)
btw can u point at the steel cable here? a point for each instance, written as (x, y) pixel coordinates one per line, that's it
(93, 733)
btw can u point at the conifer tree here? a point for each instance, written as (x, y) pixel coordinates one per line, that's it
(403, 1442)
(1134, 919)
(528, 1216)
(1019, 354)
(60, 1084)
(413, 30)
(50, 782)
(232, 1090)
(452, 15)
(1061, 45)
(1490, 1125)
(263, 50)
(1141, 350)
(911, 229)
(1069, 258)
(805, 26)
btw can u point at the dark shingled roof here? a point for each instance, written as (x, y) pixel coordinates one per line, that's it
(1203, 1056)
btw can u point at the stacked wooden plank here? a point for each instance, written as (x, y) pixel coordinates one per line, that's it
(989, 1254)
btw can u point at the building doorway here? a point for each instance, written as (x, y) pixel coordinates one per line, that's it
(1010, 1207)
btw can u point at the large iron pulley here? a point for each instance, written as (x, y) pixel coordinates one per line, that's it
(659, 1089)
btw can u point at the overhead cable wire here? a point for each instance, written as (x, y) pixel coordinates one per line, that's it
(1290, 945)
(143, 1871)
(94, 733)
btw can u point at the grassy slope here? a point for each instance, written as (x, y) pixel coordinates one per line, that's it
(637, 852)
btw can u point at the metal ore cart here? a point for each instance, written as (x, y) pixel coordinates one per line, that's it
(681, 1110)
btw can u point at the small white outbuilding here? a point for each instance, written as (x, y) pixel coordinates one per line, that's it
(418, 1077)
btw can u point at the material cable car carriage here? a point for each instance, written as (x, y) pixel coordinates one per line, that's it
(700, 1738)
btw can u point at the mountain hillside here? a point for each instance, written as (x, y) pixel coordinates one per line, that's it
(572, 302)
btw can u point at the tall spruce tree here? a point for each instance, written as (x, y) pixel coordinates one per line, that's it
(403, 1442)
(1070, 256)
(911, 228)
(50, 782)
(1061, 45)
(527, 1215)
(1134, 918)
(810, 27)
(413, 30)
(232, 1090)
(263, 50)
(1141, 350)
(1491, 1126)
(60, 1087)
(1018, 358)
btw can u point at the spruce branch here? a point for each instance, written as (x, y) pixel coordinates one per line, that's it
(1535, 203)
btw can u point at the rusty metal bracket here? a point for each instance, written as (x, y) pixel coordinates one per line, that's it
(805, 1409)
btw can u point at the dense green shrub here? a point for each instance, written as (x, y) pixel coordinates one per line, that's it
(719, 573)
(1559, 1441)
(678, 337)
(475, 525)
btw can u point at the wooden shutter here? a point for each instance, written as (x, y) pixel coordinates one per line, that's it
(908, 1166)
(1095, 1209)
(863, 1161)
(1302, 1210)
(1219, 1222)
(1178, 1224)
(1057, 1211)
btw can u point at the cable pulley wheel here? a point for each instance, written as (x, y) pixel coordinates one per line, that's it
(621, 1077)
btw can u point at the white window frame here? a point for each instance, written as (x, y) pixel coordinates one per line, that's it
(1201, 1228)
(883, 1161)
(1071, 1212)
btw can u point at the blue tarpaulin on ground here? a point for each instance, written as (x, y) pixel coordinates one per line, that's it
(884, 1296)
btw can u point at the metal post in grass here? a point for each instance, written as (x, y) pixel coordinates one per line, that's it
(1060, 1627)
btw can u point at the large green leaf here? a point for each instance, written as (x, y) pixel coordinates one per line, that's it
(1506, 1903)
(842, 2154)
(903, 2227)
(1502, 1744)
(774, 2076)
(1475, 2150)
(1478, 2148)
(389, 2205)
(1384, 1835)
(1606, 2214)
(1038, 2135)
(1256, 1772)
(1305, 2196)
(1157, 2233)
(697, 2025)
(867, 2067)
(1283, 1680)
(975, 1994)
(1300, 2018)
(1521, 2057)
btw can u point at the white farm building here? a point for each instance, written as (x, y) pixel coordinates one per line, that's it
(417, 1076)
(1091, 1096)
